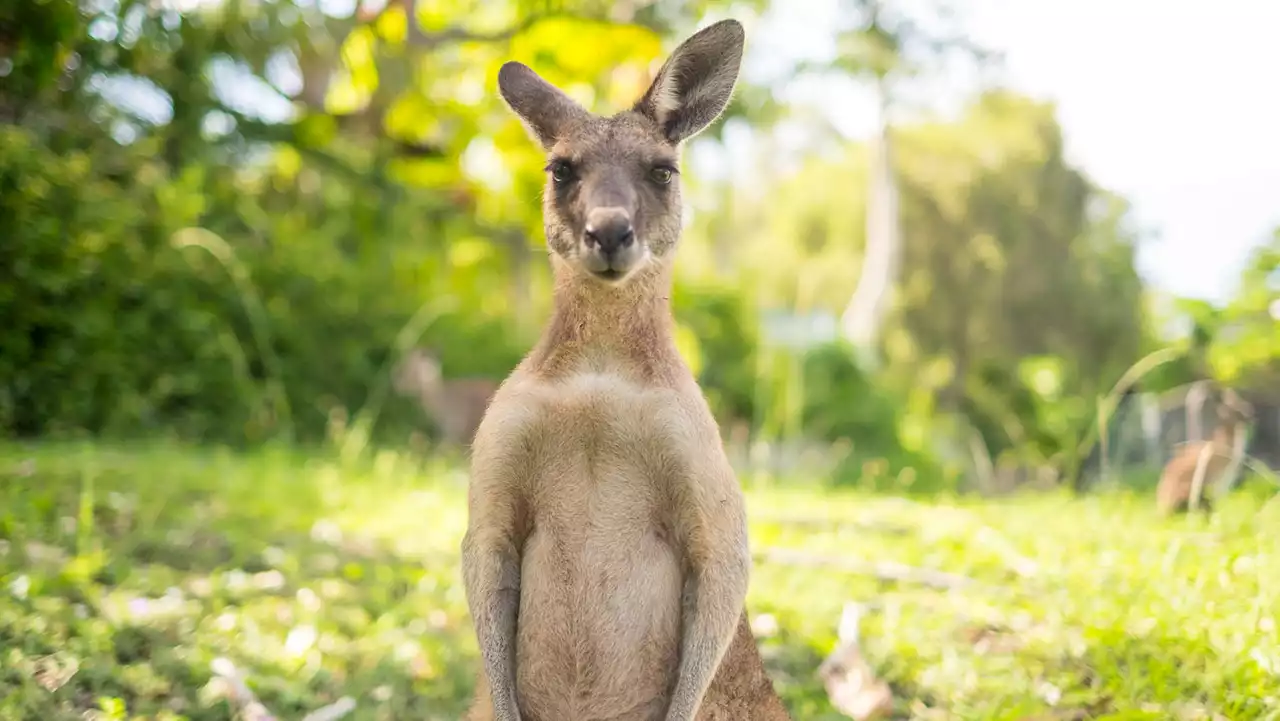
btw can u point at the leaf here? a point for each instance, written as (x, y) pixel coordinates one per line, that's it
(391, 25)
(427, 173)
(469, 252)
(568, 51)
(412, 117)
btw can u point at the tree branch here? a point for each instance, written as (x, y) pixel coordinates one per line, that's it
(430, 41)
(260, 131)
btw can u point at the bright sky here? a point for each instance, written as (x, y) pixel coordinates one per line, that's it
(1174, 107)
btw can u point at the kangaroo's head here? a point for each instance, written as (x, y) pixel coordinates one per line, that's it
(1233, 412)
(611, 204)
(418, 372)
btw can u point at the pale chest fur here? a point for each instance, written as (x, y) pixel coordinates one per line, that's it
(603, 455)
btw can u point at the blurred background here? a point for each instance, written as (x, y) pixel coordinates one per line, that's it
(959, 280)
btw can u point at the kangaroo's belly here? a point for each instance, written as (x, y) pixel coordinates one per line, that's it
(599, 639)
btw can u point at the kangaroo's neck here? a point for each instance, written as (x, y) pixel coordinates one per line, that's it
(1224, 435)
(604, 327)
(432, 396)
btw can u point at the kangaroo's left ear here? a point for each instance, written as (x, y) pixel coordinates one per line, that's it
(695, 84)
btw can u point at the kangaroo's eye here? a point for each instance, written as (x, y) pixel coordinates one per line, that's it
(661, 175)
(561, 172)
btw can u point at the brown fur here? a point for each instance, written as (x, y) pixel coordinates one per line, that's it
(741, 690)
(456, 406)
(606, 560)
(1173, 494)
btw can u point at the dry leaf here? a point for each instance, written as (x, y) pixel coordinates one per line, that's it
(851, 684)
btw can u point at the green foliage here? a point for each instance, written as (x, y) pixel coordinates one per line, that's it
(842, 404)
(1244, 348)
(1011, 259)
(118, 329)
(90, 292)
(126, 571)
(724, 328)
(396, 182)
(1032, 259)
(1028, 411)
(1236, 343)
(38, 39)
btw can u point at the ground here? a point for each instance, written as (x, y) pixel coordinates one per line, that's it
(126, 571)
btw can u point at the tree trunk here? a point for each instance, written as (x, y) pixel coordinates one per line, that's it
(867, 307)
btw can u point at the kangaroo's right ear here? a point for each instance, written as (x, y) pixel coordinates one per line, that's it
(695, 84)
(543, 108)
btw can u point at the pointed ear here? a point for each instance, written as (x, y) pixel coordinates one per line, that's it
(694, 85)
(542, 107)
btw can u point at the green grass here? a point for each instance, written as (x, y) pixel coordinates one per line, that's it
(124, 572)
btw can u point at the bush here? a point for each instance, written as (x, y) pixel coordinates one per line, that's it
(842, 404)
(722, 324)
(102, 330)
(111, 329)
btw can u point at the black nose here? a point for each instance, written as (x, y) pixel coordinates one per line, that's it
(611, 231)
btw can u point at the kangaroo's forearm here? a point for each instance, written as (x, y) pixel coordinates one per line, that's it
(713, 606)
(491, 575)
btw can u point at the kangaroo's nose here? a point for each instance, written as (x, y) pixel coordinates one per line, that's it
(610, 229)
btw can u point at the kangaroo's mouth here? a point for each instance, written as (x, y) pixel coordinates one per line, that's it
(612, 275)
(613, 266)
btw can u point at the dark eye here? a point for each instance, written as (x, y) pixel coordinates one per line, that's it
(661, 175)
(561, 172)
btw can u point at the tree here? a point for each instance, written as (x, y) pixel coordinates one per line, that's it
(888, 45)
(354, 166)
(1018, 298)
(1244, 347)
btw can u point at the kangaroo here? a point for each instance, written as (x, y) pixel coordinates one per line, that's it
(456, 406)
(605, 561)
(1178, 479)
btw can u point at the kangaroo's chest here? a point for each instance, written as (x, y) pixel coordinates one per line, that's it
(602, 444)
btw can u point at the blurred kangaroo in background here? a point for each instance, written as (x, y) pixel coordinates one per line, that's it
(606, 560)
(1178, 485)
(456, 406)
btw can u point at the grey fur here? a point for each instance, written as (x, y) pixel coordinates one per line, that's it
(616, 161)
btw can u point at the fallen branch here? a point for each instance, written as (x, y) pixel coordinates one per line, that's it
(1015, 561)
(882, 570)
(333, 711)
(837, 523)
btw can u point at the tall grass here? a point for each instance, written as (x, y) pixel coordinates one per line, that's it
(259, 325)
